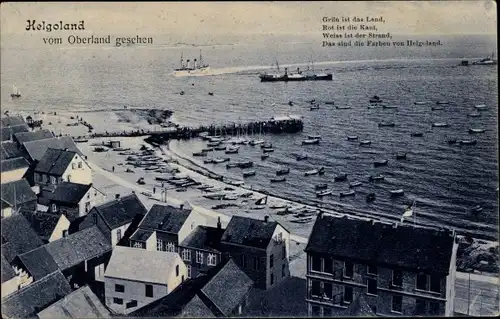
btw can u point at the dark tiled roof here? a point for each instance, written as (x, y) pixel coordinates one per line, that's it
(38, 262)
(11, 150)
(78, 247)
(142, 235)
(165, 218)
(82, 303)
(419, 249)
(121, 211)
(12, 121)
(18, 237)
(67, 192)
(14, 164)
(55, 162)
(8, 132)
(36, 149)
(7, 271)
(204, 237)
(249, 232)
(32, 136)
(360, 308)
(228, 296)
(21, 189)
(30, 300)
(196, 308)
(44, 224)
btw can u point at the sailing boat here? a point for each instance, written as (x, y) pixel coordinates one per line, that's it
(486, 61)
(259, 140)
(15, 92)
(192, 69)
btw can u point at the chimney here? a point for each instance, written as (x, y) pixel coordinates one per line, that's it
(219, 225)
(117, 196)
(181, 206)
(266, 218)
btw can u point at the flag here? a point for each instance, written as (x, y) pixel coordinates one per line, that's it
(408, 212)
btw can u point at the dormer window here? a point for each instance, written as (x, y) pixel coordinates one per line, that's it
(80, 165)
(73, 166)
(53, 180)
(54, 208)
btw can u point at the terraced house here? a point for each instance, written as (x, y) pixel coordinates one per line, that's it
(395, 270)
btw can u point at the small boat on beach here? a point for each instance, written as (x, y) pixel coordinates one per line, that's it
(246, 164)
(256, 142)
(380, 163)
(365, 143)
(370, 197)
(320, 186)
(480, 106)
(417, 134)
(442, 102)
(397, 192)
(375, 99)
(324, 193)
(476, 130)
(386, 124)
(207, 149)
(249, 173)
(389, 106)
(440, 124)
(221, 160)
(352, 137)
(474, 114)
(208, 161)
(220, 148)
(231, 165)
(355, 184)
(329, 102)
(421, 103)
(314, 107)
(452, 141)
(213, 144)
(266, 145)
(232, 150)
(235, 183)
(376, 178)
(349, 193)
(201, 154)
(320, 171)
(340, 177)
(343, 107)
(211, 93)
(84, 140)
(310, 141)
(282, 171)
(314, 137)
(468, 142)
(400, 155)
(437, 108)
(264, 156)
(278, 206)
(301, 157)
(268, 150)
(278, 179)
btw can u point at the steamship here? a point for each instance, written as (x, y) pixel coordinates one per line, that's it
(298, 76)
(196, 67)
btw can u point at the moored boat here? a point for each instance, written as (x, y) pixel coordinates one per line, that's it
(480, 106)
(329, 102)
(213, 144)
(389, 106)
(320, 186)
(201, 154)
(266, 145)
(207, 149)
(452, 141)
(343, 107)
(220, 148)
(476, 130)
(401, 156)
(397, 192)
(375, 99)
(442, 102)
(377, 177)
(474, 114)
(249, 173)
(340, 177)
(315, 172)
(440, 124)
(355, 184)
(231, 165)
(268, 150)
(278, 179)
(437, 108)
(324, 193)
(421, 103)
(380, 163)
(310, 141)
(468, 142)
(301, 157)
(365, 143)
(208, 161)
(256, 142)
(313, 137)
(477, 209)
(283, 171)
(386, 124)
(314, 107)
(264, 156)
(349, 193)
(221, 160)
(232, 150)
(417, 134)
(352, 137)
(235, 182)
(246, 164)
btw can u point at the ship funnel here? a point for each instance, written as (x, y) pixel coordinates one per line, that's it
(195, 64)
(188, 63)
(298, 70)
(286, 70)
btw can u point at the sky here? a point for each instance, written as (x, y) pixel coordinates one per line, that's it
(207, 20)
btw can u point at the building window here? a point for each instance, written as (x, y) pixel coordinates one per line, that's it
(137, 244)
(119, 288)
(159, 244)
(434, 308)
(73, 165)
(371, 270)
(189, 271)
(315, 288)
(348, 269)
(327, 312)
(149, 291)
(199, 257)
(212, 260)
(186, 254)
(328, 265)
(327, 290)
(65, 233)
(131, 304)
(283, 270)
(80, 165)
(69, 178)
(99, 271)
(397, 303)
(420, 307)
(316, 263)
(348, 294)
(177, 271)
(422, 281)
(371, 286)
(283, 250)
(171, 247)
(118, 235)
(316, 311)
(118, 301)
(272, 279)
(435, 284)
(45, 178)
(271, 261)
(397, 278)
(54, 208)
(87, 207)
(53, 180)
(192, 225)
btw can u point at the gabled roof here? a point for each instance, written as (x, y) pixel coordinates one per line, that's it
(165, 218)
(78, 247)
(141, 235)
(81, 303)
(44, 223)
(23, 137)
(196, 308)
(7, 271)
(8, 132)
(12, 121)
(18, 237)
(121, 211)
(226, 297)
(11, 150)
(67, 192)
(55, 161)
(20, 189)
(249, 232)
(142, 265)
(204, 237)
(28, 301)
(38, 262)
(13, 164)
(419, 249)
(36, 149)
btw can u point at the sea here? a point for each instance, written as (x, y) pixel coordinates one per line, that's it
(445, 181)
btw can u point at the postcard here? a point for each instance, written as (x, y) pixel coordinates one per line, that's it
(257, 159)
